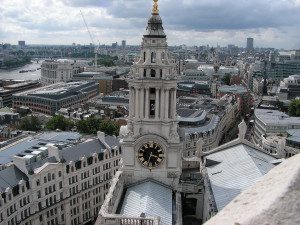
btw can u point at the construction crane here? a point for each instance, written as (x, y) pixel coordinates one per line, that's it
(96, 48)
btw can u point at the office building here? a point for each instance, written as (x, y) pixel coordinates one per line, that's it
(49, 99)
(56, 71)
(7, 91)
(250, 44)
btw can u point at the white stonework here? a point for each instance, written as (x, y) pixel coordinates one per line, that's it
(152, 110)
(65, 193)
(56, 71)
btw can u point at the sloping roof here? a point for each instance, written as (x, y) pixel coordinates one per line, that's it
(240, 167)
(10, 177)
(150, 198)
(112, 141)
(86, 149)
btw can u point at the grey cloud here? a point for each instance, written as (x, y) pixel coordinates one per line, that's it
(229, 14)
(87, 3)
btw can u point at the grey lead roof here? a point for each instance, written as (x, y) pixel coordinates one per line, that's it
(10, 177)
(7, 153)
(150, 198)
(112, 141)
(86, 149)
(240, 167)
(201, 129)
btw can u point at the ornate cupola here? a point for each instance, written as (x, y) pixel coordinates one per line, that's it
(153, 84)
(155, 28)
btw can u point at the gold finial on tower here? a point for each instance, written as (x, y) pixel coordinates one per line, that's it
(155, 8)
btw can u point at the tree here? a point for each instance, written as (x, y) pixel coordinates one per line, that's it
(30, 123)
(91, 125)
(59, 122)
(294, 108)
(226, 79)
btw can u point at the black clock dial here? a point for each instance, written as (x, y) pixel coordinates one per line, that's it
(150, 154)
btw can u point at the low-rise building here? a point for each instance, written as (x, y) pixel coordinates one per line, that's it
(56, 178)
(289, 88)
(50, 99)
(7, 91)
(272, 122)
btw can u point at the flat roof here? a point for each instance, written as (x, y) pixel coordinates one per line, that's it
(275, 117)
(36, 143)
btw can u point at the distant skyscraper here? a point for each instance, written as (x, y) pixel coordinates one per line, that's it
(250, 43)
(124, 44)
(114, 45)
(21, 44)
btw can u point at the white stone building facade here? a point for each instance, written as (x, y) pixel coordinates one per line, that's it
(58, 190)
(56, 71)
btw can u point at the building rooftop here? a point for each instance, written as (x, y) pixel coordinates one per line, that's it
(27, 146)
(74, 153)
(234, 169)
(293, 135)
(213, 123)
(276, 117)
(10, 177)
(151, 198)
(58, 90)
(234, 89)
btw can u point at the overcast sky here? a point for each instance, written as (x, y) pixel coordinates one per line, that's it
(272, 23)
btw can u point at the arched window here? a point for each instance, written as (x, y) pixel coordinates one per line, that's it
(163, 56)
(153, 57)
(153, 73)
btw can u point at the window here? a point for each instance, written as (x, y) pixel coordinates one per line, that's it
(144, 56)
(153, 57)
(145, 73)
(38, 182)
(59, 173)
(153, 73)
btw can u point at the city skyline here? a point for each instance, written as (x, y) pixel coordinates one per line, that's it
(191, 22)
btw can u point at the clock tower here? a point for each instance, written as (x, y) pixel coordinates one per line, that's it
(151, 144)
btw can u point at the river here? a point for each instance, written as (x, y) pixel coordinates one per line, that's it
(14, 73)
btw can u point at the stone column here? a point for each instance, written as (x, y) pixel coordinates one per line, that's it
(137, 103)
(167, 104)
(131, 102)
(147, 102)
(142, 102)
(162, 103)
(156, 103)
(174, 104)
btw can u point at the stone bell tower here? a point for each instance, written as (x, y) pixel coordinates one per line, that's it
(152, 146)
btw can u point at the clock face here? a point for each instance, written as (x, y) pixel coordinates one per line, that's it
(150, 154)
